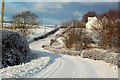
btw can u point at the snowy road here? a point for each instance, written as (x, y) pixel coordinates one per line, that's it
(59, 69)
(65, 66)
(76, 67)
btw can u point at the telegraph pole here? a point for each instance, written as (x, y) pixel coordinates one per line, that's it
(45, 29)
(2, 14)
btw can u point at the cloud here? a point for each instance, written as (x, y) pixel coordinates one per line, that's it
(37, 7)
(52, 12)
(48, 7)
(77, 14)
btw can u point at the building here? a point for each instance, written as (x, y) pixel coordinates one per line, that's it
(93, 24)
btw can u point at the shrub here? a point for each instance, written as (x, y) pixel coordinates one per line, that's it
(15, 48)
(111, 24)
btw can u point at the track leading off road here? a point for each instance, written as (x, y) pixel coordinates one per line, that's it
(73, 66)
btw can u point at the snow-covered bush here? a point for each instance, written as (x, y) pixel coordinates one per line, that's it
(15, 48)
(100, 54)
(83, 38)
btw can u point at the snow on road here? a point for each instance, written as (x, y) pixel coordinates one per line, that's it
(87, 68)
(50, 65)
(65, 66)
(77, 67)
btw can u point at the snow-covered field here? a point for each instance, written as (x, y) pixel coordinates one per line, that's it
(45, 41)
(38, 32)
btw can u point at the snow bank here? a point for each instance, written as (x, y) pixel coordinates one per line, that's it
(38, 62)
(101, 68)
(100, 54)
(58, 42)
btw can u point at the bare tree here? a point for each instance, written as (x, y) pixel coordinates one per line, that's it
(24, 21)
(111, 25)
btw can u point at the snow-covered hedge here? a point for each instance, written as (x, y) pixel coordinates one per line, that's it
(99, 54)
(15, 48)
(96, 54)
(62, 51)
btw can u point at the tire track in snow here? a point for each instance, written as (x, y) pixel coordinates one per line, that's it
(57, 72)
(76, 67)
(55, 69)
(88, 73)
(47, 73)
(69, 63)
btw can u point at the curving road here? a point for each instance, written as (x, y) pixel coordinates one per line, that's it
(76, 67)
(73, 67)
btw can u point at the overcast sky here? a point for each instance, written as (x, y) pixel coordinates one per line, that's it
(56, 12)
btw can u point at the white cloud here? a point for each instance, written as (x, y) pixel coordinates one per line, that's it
(14, 8)
(77, 14)
(49, 7)
(45, 6)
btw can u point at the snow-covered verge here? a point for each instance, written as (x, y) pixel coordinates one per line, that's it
(95, 54)
(100, 54)
(28, 69)
(40, 59)
(101, 68)
(38, 32)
